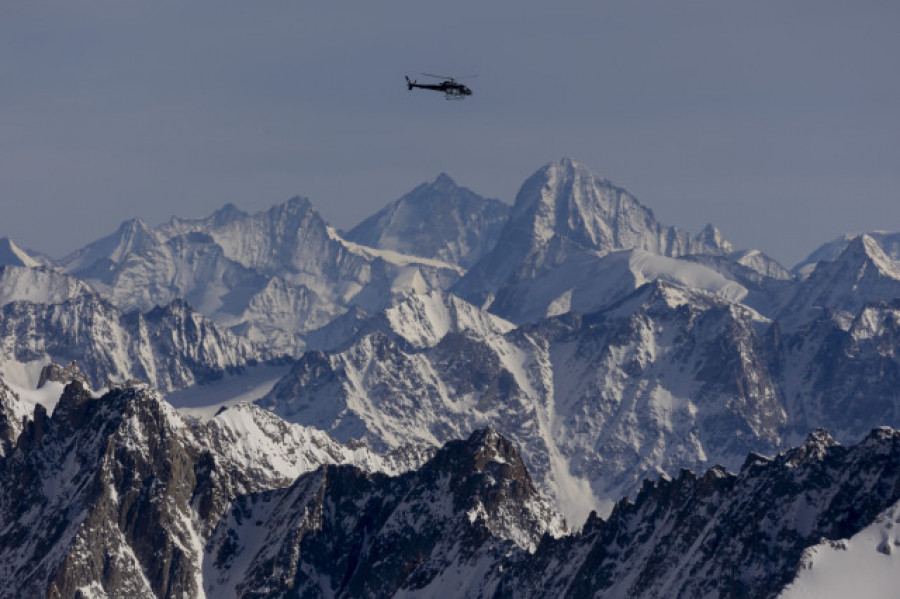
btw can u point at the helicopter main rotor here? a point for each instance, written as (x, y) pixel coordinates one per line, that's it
(448, 77)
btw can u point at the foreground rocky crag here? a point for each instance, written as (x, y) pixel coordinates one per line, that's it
(116, 496)
(722, 534)
(345, 532)
(120, 496)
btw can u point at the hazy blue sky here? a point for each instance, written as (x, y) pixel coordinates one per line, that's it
(777, 121)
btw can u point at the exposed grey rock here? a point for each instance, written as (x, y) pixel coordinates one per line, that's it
(53, 372)
(10, 418)
(842, 372)
(119, 496)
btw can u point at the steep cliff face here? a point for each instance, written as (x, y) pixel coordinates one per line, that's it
(11, 414)
(97, 497)
(842, 371)
(12, 255)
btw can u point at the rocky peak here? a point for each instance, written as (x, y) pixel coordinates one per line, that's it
(669, 493)
(444, 181)
(72, 407)
(133, 227)
(226, 214)
(853, 253)
(829, 252)
(863, 251)
(712, 238)
(658, 298)
(564, 198)
(761, 264)
(39, 285)
(881, 435)
(53, 372)
(424, 319)
(860, 274)
(369, 535)
(813, 449)
(485, 449)
(132, 236)
(566, 218)
(439, 220)
(297, 206)
(11, 254)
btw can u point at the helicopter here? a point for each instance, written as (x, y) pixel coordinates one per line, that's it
(450, 86)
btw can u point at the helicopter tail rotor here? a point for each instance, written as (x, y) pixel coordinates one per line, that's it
(409, 84)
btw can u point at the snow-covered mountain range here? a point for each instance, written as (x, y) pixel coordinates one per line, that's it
(597, 347)
(270, 276)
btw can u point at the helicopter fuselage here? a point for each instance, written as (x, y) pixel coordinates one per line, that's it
(450, 87)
